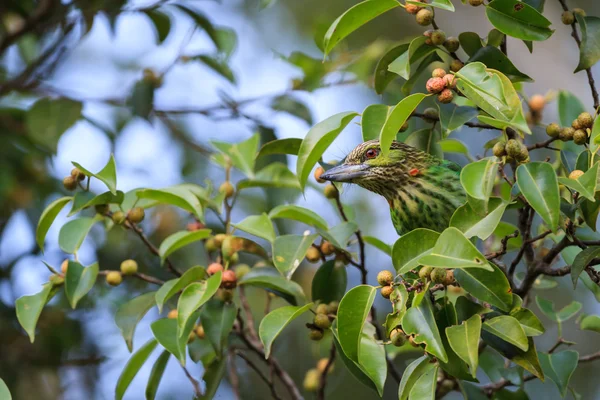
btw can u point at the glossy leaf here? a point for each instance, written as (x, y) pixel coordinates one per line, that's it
(420, 321)
(470, 42)
(564, 314)
(586, 184)
(133, 366)
(453, 117)
(193, 297)
(420, 367)
(379, 244)
(478, 178)
(372, 359)
(49, 118)
(329, 283)
(274, 322)
(213, 375)
(79, 280)
(589, 51)
(491, 287)
(4, 392)
(441, 4)
(518, 20)
(270, 279)
(595, 137)
(47, 218)
(282, 146)
(217, 320)
(508, 329)
(169, 288)
(559, 367)
(289, 251)
(409, 248)
(274, 175)
(156, 375)
(383, 77)
(472, 224)
(258, 225)
(373, 119)
(354, 18)
(129, 314)
(396, 118)
(464, 340)
(454, 250)
(530, 323)
(107, 175)
(569, 107)
(582, 260)
(241, 155)
(166, 333)
(425, 387)
(317, 140)
(83, 200)
(73, 233)
(300, 214)
(493, 58)
(352, 314)
(539, 185)
(340, 234)
(180, 239)
(526, 359)
(416, 50)
(352, 366)
(590, 323)
(29, 308)
(178, 196)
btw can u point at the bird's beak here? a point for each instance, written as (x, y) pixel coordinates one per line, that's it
(345, 172)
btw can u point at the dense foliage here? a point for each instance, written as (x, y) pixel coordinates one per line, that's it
(460, 298)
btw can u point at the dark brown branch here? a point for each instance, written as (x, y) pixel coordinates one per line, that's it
(139, 275)
(543, 145)
(248, 313)
(325, 372)
(588, 71)
(153, 249)
(234, 379)
(589, 357)
(503, 246)
(194, 381)
(262, 376)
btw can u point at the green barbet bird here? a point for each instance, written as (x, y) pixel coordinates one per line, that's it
(422, 190)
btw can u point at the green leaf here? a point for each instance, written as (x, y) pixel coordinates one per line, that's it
(329, 282)
(442, 4)
(180, 239)
(280, 146)
(217, 65)
(47, 218)
(317, 140)
(569, 107)
(161, 23)
(193, 297)
(396, 118)
(582, 260)
(494, 93)
(508, 329)
(169, 288)
(530, 323)
(491, 287)
(409, 248)
(79, 280)
(383, 77)
(213, 375)
(526, 359)
(156, 375)
(590, 323)
(4, 392)
(493, 58)
(107, 175)
(595, 137)
(300, 214)
(466, 308)
(49, 118)
(352, 314)
(454, 146)
(589, 51)
(585, 185)
(559, 367)
(166, 332)
(420, 367)
(420, 321)
(416, 50)
(478, 178)
(178, 196)
(378, 244)
(293, 107)
(425, 386)
(426, 140)
(372, 360)
(129, 314)
(29, 308)
(270, 279)
(470, 42)
(454, 250)
(453, 117)
(354, 18)
(340, 234)
(274, 322)
(217, 320)
(241, 155)
(373, 119)
(518, 20)
(565, 313)
(472, 224)
(73, 233)
(133, 366)
(141, 100)
(539, 185)
(464, 340)
(258, 225)
(289, 251)
(352, 366)
(83, 200)
(274, 175)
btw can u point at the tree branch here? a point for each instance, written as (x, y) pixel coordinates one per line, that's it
(256, 369)
(325, 372)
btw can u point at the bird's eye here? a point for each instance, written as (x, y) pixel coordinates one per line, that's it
(371, 153)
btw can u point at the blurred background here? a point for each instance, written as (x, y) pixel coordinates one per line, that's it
(107, 64)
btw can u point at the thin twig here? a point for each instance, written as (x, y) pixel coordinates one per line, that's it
(139, 275)
(194, 382)
(138, 231)
(262, 376)
(325, 372)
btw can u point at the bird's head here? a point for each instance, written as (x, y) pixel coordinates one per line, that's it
(368, 167)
